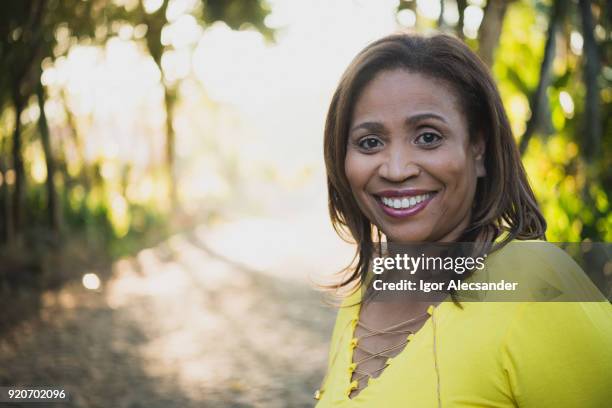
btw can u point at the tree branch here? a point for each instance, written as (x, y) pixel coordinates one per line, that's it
(538, 103)
(490, 29)
(592, 117)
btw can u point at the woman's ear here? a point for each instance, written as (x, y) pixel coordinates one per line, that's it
(478, 150)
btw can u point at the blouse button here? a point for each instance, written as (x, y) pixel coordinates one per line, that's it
(352, 387)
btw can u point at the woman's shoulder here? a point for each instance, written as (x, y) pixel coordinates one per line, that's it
(544, 272)
(562, 303)
(530, 252)
(532, 258)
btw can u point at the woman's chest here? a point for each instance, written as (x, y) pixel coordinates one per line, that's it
(446, 363)
(409, 376)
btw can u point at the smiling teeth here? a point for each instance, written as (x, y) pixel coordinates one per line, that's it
(405, 202)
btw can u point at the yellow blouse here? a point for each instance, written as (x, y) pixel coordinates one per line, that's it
(495, 354)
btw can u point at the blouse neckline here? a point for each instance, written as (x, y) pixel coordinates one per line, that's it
(404, 352)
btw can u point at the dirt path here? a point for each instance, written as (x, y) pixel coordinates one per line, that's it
(193, 322)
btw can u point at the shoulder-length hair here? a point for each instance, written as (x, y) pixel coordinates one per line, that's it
(504, 201)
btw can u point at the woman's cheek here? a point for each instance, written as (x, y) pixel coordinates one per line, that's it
(450, 169)
(359, 169)
(357, 175)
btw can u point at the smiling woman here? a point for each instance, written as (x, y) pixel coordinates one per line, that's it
(410, 155)
(424, 114)
(418, 149)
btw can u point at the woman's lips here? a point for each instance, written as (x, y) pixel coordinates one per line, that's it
(400, 204)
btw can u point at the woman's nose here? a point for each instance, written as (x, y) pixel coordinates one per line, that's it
(398, 167)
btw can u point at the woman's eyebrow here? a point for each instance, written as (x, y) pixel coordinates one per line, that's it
(370, 126)
(414, 119)
(410, 121)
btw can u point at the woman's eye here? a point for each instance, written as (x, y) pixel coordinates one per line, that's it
(428, 138)
(369, 143)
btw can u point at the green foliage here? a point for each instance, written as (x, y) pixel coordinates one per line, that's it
(238, 14)
(33, 31)
(574, 194)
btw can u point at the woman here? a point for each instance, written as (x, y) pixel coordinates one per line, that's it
(418, 148)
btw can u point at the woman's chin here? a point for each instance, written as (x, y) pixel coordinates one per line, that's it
(407, 238)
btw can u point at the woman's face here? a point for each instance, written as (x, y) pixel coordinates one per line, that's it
(409, 160)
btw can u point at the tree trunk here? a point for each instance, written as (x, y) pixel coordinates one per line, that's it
(19, 185)
(169, 99)
(491, 28)
(592, 117)
(2, 203)
(155, 23)
(43, 127)
(5, 204)
(538, 103)
(461, 5)
(441, 16)
(85, 176)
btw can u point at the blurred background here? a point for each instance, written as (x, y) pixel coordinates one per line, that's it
(163, 222)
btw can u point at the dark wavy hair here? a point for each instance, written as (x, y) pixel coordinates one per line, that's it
(504, 200)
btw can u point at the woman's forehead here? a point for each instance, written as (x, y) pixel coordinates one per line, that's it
(400, 93)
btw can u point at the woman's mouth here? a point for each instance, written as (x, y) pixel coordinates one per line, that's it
(396, 205)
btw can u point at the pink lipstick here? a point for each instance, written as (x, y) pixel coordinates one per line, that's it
(404, 203)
